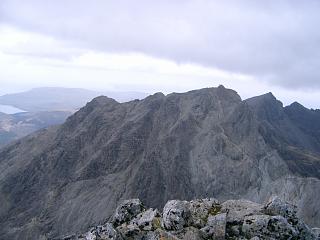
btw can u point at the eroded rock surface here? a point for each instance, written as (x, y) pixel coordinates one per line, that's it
(203, 219)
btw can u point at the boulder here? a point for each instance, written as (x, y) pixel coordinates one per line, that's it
(104, 232)
(215, 228)
(276, 206)
(130, 231)
(176, 215)
(160, 234)
(108, 232)
(238, 209)
(304, 231)
(149, 220)
(189, 233)
(126, 211)
(264, 226)
(201, 209)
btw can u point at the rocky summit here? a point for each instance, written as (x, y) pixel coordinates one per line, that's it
(202, 219)
(192, 145)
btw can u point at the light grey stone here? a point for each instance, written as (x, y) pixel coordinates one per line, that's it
(176, 215)
(276, 206)
(238, 209)
(160, 234)
(201, 208)
(148, 220)
(215, 228)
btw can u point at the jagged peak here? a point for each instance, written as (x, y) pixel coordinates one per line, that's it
(103, 100)
(221, 87)
(267, 98)
(297, 105)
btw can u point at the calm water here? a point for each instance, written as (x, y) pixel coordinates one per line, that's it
(9, 109)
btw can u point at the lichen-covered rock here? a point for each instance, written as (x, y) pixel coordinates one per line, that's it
(126, 211)
(148, 220)
(176, 215)
(201, 209)
(304, 231)
(108, 232)
(104, 232)
(276, 206)
(238, 209)
(316, 232)
(203, 219)
(160, 234)
(188, 233)
(130, 231)
(215, 228)
(265, 226)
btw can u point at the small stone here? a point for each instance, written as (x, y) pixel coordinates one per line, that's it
(176, 215)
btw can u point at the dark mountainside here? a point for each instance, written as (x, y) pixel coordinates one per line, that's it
(294, 131)
(204, 143)
(15, 126)
(61, 99)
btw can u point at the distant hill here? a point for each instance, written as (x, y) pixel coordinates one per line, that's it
(15, 126)
(61, 99)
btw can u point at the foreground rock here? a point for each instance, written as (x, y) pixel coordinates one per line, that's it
(202, 219)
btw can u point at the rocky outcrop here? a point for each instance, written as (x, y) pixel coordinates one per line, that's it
(202, 219)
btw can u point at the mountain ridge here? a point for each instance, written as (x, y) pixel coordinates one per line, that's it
(201, 143)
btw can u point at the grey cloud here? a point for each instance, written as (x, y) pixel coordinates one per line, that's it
(276, 41)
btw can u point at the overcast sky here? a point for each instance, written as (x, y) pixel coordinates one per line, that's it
(169, 45)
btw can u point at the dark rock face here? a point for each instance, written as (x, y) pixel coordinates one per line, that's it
(218, 224)
(182, 146)
(294, 131)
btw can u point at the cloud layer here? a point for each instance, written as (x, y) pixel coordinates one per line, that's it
(275, 41)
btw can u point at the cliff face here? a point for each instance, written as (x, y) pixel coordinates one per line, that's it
(182, 146)
(202, 219)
